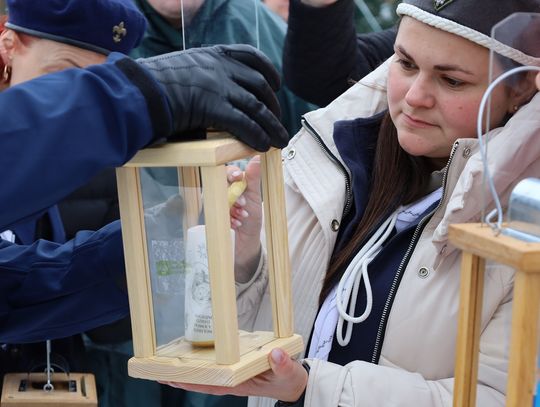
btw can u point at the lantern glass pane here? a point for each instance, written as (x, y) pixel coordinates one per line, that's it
(175, 240)
(211, 22)
(178, 243)
(252, 260)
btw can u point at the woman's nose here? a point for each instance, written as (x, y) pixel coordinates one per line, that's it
(420, 93)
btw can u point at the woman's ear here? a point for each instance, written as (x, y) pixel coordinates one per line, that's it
(8, 44)
(522, 91)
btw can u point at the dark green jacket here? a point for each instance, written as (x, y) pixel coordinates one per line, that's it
(227, 22)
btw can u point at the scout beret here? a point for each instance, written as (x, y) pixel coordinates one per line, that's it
(473, 20)
(102, 26)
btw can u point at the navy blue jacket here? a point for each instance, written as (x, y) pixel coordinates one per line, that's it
(31, 230)
(53, 127)
(57, 132)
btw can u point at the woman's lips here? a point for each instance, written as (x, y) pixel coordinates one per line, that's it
(415, 122)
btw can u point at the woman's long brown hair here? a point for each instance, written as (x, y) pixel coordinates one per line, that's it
(397, 178)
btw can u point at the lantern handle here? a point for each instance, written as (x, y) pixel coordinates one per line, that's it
(496, 226)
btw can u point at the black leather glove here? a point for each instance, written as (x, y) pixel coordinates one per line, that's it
(227, 87)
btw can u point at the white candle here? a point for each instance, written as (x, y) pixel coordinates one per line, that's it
(198, 298)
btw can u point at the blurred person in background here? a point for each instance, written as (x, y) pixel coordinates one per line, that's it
(324, 55)
(210, 22)
(280, 7)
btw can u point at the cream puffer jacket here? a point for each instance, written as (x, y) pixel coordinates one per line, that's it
(417, 357)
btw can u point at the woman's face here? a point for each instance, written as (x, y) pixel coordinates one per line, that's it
(435, 84)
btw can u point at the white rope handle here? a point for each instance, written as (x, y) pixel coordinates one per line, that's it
(349, 284)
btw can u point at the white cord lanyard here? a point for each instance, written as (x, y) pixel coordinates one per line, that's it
(349, 284)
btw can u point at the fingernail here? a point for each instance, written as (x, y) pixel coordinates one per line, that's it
(237, 223)
(241, 201)
(277, 356)
(236, 173)
(244, 213)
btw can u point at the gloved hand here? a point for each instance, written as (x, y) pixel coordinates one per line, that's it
(227, 87)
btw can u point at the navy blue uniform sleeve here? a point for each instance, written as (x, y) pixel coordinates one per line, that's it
(59, 130)
(50, 290)
(323, 56)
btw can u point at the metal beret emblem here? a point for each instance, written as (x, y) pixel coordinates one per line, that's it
(440, 4)
(119, 32)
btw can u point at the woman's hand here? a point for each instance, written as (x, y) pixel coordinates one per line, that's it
(286, 381)
(246, 219)
(538, 81)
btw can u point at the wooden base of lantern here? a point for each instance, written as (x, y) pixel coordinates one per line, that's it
(197, 365)
(26, 390)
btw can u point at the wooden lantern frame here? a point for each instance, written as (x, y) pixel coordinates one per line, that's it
(236, 356)
(479, 243)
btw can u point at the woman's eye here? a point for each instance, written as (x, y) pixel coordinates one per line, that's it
(453, 83)
(407, 65)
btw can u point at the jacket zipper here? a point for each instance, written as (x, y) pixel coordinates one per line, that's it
(406, 258)
(341, 167)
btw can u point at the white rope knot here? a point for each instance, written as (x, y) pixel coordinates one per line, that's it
(349, 284)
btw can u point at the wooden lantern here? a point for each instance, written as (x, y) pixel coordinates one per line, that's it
(161, 349)
(479, 243)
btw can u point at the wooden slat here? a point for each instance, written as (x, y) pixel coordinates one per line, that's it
(136, 257)
(470, 315)
(206, 372)
(277, 243)
(524, 340)
(220, 264)
(480, 240)
(215, 151)
(189, 178)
